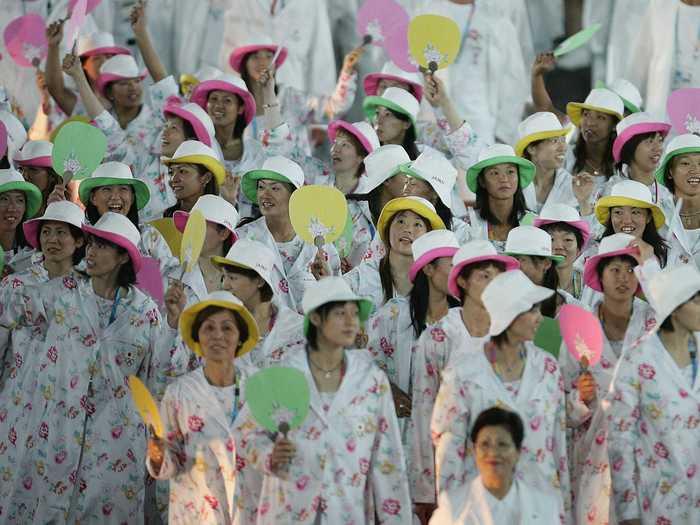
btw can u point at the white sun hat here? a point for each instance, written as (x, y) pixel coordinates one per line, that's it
(508, 295)
(215, 209)
(530, 240)
(118, 229)
(474, 252)
(557, 212)
(362, 131)
(99, 43)
(395, 99)
(274, 168)
(391, 71)
(538, 126)
(119, 67)
(59, 211)
(250, 255)
(599, 99)
(629, 193)
(330, 290)
(431, 246)
(434, 168)
(679, 145)
(628, 92)
(35, 153)
(382, 164)
(672, 287)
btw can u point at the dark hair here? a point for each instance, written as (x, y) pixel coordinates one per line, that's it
(228, 241)
(5, 163)
(385, 276)
(359, 149)
(650, 235)
(468, 269)
(322, 311)
(266, 293)
(565, 228)
(373, 200)
(667, 324)
(607, 260)
(77, 235)
(409, 138)
(188, 130)
(630, 148)
(580, 155)
(127, 275)
(210, 310)
(52, 179)
(241, 124)
(211, 188)
(498, 417)
(418, 301)
(246, 78)
(526, 154)
(482, 203)
(93, 215)
(548, 307)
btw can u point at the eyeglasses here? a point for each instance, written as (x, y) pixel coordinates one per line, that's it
(484, 447)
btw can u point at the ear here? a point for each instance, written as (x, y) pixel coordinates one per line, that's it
(315, 319)
(462, 282)
(429, 270)
(531, 149)
(406, 125)
(547, 264)
(223, 234)
(79, 242)
(205, 178)
(260, 283)
(92, 197)
(123, 258)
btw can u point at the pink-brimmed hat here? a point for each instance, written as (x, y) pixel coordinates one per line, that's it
(118, 229)
(636, 124)
(431, 246)
(610, 246)
(229, 83)
(391, 71)
(474, 252)
(59, 211)
(198, 118)
(554, 213)
(99, 43)
(35, 153)
(362, 131)
(237, 56)
(215, 209)
(119, 67)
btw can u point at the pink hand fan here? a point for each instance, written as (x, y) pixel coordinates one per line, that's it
(582, 334)
(25, 40)
(683, 108)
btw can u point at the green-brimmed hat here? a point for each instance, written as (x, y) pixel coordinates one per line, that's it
(396, 99)
(500, 154)
(680, 145)
(114, 174)
(274, 168)
(11, 180)
(331, 290)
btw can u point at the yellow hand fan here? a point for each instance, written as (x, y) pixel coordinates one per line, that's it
(173, 236)
(146, 405)
(192, 241)
(318, 214)
(433, 41)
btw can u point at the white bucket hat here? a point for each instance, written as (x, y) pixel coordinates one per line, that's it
(250, 255)
(362, 131)
(508, 295)
(431, 246)
(35, 153)
(599, 99)
(59, 211)
(119, 67)
(434, 168)
(99, 43)
(629, 193)
(382, 164)
(500, 154)
(475, 252)
(680, 145)
(396, 99)
(330, 290)
(114, 174)
(198, 118)
(628, 92)
(196, 152)
(274, 168)
(16, 134)
(557, 212)
(118, 229)
(215, 209)
(229, 83)
(672, 287)
(636, 124)
(391, 71)
(538, 126)
(611, 246)
(530, 240)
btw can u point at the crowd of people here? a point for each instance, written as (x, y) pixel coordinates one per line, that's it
(474, 218)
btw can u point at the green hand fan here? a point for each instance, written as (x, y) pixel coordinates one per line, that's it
(576, 40)
(548, 336)
(78, 149)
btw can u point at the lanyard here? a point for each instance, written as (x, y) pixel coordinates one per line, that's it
(234, 410)
(692, 349)
(115, 304)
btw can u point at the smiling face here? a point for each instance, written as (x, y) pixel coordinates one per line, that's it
(596, 126)
(103, 258)
(219, 337)
(648, 153)
(117, 198)
(339, 326)
(500, 181)
(345, 155)
(630, 220)
(548, 154)
(496, 455)
(126, 93)
(224, 107)
(685, 173)
(57, 242)
(406, 226)
(13, 205)
(564, 243)
(186, 181)
(618, 280)
(273, 198)
(390, 129)
(256, 63)
(173, 135)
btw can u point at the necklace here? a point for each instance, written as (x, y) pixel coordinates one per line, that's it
(596, 170)
(327, 373)
(506, 370)
(689, 218)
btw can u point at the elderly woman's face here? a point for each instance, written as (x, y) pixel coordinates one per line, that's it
(219, 337)
(495, 454)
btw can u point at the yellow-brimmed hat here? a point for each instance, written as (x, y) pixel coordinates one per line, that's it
(417, 205)
(628, 193)
(599, 99)
(224, 300)
(196, 152)
(538, 126)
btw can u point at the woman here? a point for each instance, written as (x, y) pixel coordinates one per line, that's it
(532, 247)
(394, 115)
(194, 170)
(391, 75)
(247, 273)
(19, 201)
(542, 140)
(497, 179)
(509, 371)
(360, 476)
(199, 411)
(496, 495)
(570, 236)
(83, 425)
(678, 171)
(653, 424)
(402, 221)
(270, 187)
(33, 161)
(623, 318)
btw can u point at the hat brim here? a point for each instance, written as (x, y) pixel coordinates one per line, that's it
(556, 259)
(405, 204)
(31, 229)
(119, 240)
(188, 317)
(216, 168)
(370, 105)
(220, 262)
(526, 170)
(575, 109)
(428, 257)
(31, 193)
(199, 130)
(201, 91)
(108, 50)
(180, 221)
(631, 107)
(36, 162)
(634, 130)
(371, 84)
(106, 78)
(143, 194)
(535, 296)
(602, 209)
(540, 135)
(581, 226)
(238, 55)
(249, 182)
(334, 126)
(590, 268)
(365, 307)
(511, 263)
(661, 170)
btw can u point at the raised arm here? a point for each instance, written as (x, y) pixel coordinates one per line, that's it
(73, 68)
(143, 41)
(54, 74)
(544, 63)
